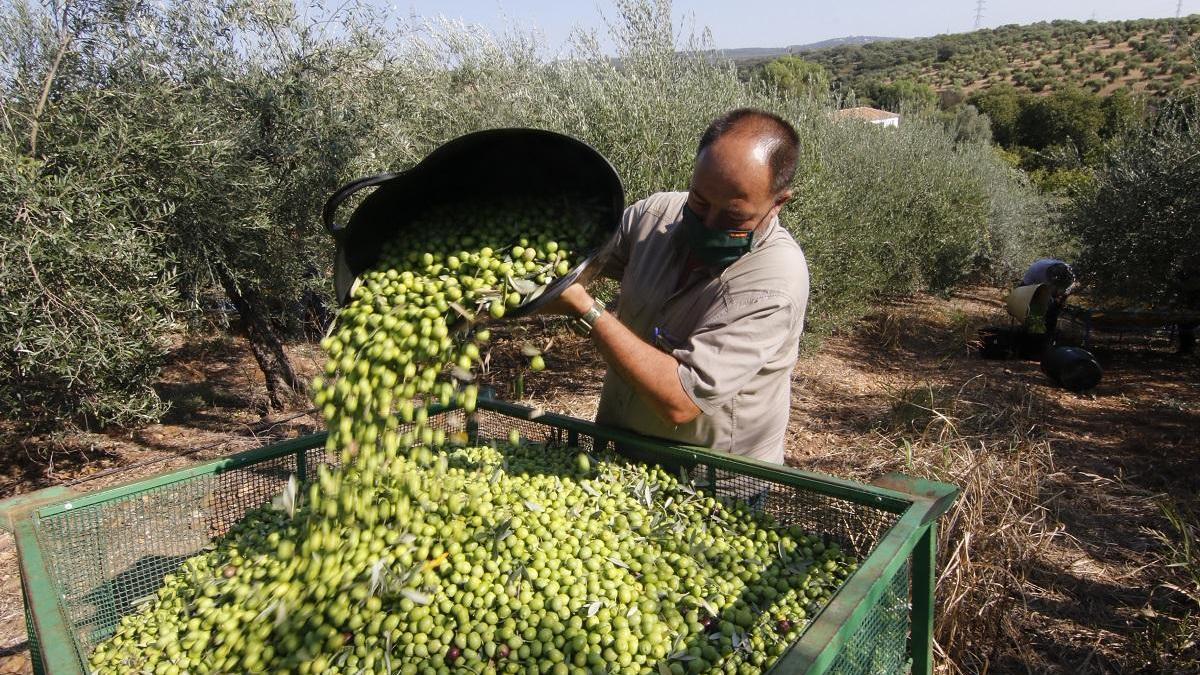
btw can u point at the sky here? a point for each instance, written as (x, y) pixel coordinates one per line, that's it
(778, 23)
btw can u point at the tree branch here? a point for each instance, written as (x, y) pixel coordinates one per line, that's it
(63, 44)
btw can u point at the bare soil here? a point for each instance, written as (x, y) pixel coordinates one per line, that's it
(1098, 597)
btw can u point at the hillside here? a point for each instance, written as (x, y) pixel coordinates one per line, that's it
(761, 54)
(1146, 55)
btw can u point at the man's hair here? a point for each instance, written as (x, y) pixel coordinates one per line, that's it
(785, 142)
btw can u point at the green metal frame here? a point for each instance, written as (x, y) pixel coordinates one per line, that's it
(912, 539)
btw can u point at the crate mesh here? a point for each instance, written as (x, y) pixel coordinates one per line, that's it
(35, 650)
(877, 646)
(109, 557)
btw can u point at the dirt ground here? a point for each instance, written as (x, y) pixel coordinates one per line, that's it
(1098, 596)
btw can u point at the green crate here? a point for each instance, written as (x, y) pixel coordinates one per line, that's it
(88, 559)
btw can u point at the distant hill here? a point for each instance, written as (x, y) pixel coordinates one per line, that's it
(1145, 55)
(767, 53)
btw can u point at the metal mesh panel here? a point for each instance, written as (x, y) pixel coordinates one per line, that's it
(108, 558)
(879, 645)
(35, 650)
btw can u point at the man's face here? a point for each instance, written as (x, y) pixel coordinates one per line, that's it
(731, 183)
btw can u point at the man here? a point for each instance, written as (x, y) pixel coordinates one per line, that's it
(713, 297)
(1059, 276)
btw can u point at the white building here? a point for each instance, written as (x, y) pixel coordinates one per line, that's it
(866, 114)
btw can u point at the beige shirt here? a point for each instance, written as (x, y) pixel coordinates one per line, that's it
(736, 336)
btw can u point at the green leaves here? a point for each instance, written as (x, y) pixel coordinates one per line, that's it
(85, 302)
(1137, 230)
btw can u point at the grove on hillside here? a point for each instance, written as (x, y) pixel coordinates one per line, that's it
(1153, 56)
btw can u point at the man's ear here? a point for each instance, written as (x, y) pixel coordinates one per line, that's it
(780, 199)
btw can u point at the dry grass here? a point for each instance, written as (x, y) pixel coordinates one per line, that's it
(1178, 634)
(990, 541)
(1055, 557)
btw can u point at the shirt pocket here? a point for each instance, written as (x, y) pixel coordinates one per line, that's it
(733, 423)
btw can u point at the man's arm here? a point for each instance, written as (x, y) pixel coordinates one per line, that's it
(653, 373)
(618, 245)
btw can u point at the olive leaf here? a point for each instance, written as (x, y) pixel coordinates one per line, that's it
(513, 577)
(416, 596)
(522, 286)
(503, 530)
(387, 653)
(286, 500)
(462, 311)
(377, 571)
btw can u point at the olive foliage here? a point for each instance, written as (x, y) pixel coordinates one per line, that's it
(1138, 232)
(206, 137)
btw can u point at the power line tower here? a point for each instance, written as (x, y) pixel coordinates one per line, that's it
(979, 5)
(1178, 8)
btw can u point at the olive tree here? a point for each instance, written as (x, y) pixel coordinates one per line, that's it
(230, 122)
(1138, 230)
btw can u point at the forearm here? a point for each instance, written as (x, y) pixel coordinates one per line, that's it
(653, 373)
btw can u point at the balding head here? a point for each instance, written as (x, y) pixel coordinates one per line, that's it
(768, 136)
(744, 165)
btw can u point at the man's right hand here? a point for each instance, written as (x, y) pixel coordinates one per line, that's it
(574, 301)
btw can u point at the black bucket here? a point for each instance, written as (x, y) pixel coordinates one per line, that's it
(480, 166)
(1072, 368)
(996, 343)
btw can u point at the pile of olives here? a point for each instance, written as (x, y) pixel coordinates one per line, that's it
(429, 552)
(507, 559)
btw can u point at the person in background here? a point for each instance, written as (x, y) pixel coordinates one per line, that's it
(1061, 279)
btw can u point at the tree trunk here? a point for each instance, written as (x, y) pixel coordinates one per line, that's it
(264, 344)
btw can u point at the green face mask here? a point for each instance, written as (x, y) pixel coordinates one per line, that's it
(716, 249)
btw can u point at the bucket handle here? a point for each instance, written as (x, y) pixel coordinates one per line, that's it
(343, 193)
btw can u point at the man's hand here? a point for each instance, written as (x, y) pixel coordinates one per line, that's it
(574, 301)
